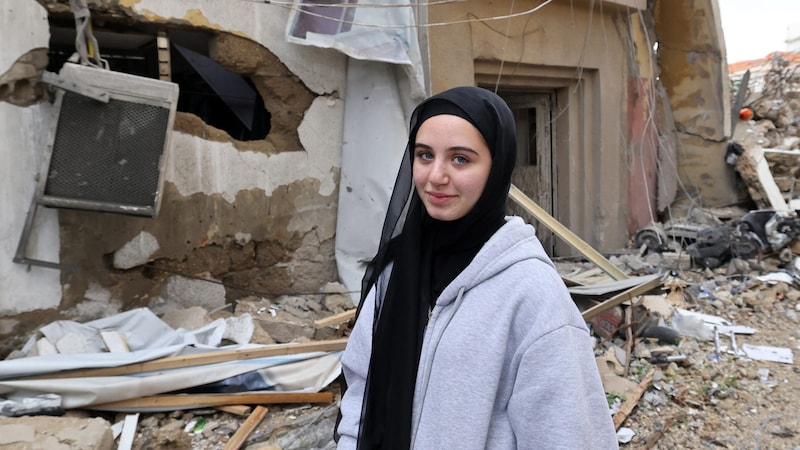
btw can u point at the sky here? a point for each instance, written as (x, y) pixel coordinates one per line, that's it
(755, 28)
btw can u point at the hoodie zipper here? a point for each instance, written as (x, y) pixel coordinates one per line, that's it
(430, 350)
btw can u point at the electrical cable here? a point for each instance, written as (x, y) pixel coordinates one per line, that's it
(300, 10)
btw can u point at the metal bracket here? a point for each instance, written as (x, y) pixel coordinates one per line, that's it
(19, 256)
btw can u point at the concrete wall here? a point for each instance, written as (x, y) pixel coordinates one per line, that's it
(580, 55)
(23, 27)
(692, 55)
(253, 218)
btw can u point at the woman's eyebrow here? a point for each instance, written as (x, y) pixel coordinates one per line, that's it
(455, 148)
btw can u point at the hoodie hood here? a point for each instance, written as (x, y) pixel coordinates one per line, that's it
(515, 241)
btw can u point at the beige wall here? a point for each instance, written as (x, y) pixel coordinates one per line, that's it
(236, 218)
(694, 73)
(577, 54)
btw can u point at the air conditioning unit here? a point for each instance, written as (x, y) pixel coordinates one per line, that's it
(107, 146)
(108, 155)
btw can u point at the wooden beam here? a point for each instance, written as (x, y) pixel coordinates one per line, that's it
(239, 410)
(630, 403)
(200, 359)
(335, 319)
(630, 294)
(565, 233)
(204, 400)
(247, 427)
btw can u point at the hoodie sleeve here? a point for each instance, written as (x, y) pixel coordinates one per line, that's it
(355, 364)
(573, 418)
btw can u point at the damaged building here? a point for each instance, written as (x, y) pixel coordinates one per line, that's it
(279, 127)
(279, 202)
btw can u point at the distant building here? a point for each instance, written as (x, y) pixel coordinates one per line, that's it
(759, 68)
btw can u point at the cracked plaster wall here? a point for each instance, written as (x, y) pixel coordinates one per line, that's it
(692, 55)
(257, 216)
(23, 29)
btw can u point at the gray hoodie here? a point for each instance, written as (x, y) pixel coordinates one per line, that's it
(506, 360)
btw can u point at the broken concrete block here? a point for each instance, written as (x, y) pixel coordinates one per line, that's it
(260, 336)
(181, 292)
(239, 328)
(136, 252)
(67, 433)
(188, 319)
(14, 433)
(98, 303)
(338, 299)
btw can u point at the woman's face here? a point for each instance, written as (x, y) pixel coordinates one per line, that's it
(451, 165)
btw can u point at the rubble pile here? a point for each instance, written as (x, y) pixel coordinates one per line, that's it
(726, 379)
(63, 371)
(690, 356)
(776, 123)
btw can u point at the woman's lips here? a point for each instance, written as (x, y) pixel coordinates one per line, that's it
(438, 198)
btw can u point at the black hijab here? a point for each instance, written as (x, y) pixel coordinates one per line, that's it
(427, 254)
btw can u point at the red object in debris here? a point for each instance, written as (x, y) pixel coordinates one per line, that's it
(745, 113)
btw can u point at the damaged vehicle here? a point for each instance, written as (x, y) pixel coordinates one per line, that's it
(753, 235)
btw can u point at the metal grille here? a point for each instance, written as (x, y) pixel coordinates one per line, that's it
(107, 153)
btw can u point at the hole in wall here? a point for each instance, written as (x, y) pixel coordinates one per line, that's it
(223, 99)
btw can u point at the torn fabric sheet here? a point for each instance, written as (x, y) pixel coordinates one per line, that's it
(147, 336)
(384, 33)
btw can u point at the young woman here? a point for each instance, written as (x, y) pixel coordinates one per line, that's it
(466, 337)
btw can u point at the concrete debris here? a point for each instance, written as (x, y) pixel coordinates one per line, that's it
(64, 433)
(182, 292)
(137, 251)
(769, 135)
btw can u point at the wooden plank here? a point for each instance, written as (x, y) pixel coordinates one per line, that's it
(201, 359)
(755, 172)
(239, 410)
(128, 432)
(622, 297)
(630, 403)
(335, 319)
(207, 400)
(565, 233)
(247, 427)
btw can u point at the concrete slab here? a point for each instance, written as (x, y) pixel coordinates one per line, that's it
(67, 433)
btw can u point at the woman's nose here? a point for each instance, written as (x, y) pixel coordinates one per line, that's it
(438, 173)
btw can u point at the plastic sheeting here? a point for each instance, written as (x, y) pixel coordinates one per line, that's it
(385, 80)
(150, 338)
(305, 372)
(370, 30)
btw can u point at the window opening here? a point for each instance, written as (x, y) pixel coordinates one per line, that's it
(323, 17)
(221, 98)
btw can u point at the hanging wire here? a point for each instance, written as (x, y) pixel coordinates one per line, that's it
(355, 5)
(301, 10)
(505, 44)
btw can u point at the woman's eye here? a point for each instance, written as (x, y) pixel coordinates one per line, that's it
(425, 156)
(460, 159)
